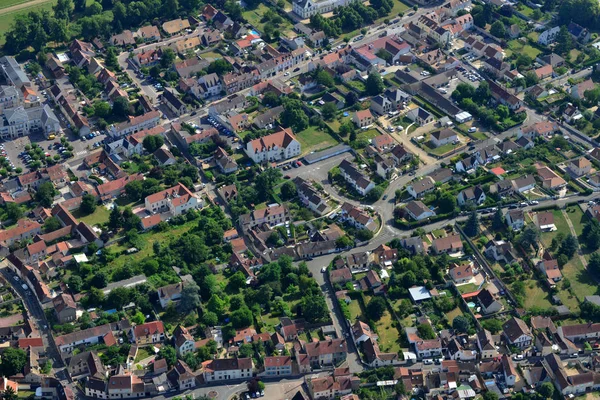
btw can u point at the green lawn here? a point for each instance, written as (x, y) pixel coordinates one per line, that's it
(468, 288)
(10, 3)
(389, 337)
(535, 295)
(454, 313)
(368, 134)
(211, 54)
(582, 284)
(143, 353)
(561, 226)
(479, 135)
(355, 310)
(98, 217)
(517, 47)
(255, 17)
(441, 150)
(399, 7)
(577, 218)
(312, 139)
(6, 19)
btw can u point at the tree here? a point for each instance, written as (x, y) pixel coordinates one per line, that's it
(351, 98)
(594, 263)
(210, 318)
(376, 308)
(118, 297)
(502, 111)
(569, 246)
(328, 111)
(115, 219)
(461, 324)
(564, 42)
(45, 194)
(323, 78)
(294, 115)
(167, 57)
(88, 204)
(529, 237)
(425, 332)
(168, 353)
(241, 318)
(472, 224)
(344, 242)
(190, 298)
(266, 181)
(271, 99)
(497, 29)
(492, 324)
(75, 283)
(99, 280)
(523, 60)
(153, 142)
(121, 107)
(546, 390)
(446, 202)
(9, 392)
(64, 9)
(14, 211)
(101, 109)
(13, 361)
(216, 305)
(374, 84)
(498, 221)
(489, 395)
(288, 190)
(591, 234)
(220, 67)
(315, 308)
(375, 193)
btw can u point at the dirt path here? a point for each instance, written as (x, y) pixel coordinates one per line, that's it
(17, 7)
(572, 229)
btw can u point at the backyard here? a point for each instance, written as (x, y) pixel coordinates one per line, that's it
(255, 18)
(517, 47)
(313, 138)
(98, 217)
(561, 227)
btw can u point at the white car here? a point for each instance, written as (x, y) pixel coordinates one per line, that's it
(518, 357)
(324, 269)
(286, 74)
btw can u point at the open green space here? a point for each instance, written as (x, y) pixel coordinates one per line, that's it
(517, 47)
(6, 19)
(312, 138)
(561, 226)
(582, 283)
(440, 150)
(255, 17)
(355, 310)
(399, 7)
(389, 337)
(535, 295)
(143, 353)
(468, 288)
(368, 134)
(577, 218)
(98, 217)
(10, 3)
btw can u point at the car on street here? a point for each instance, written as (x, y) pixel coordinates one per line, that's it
(324, 269)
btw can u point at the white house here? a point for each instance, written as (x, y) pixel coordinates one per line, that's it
(517, 333)
(175, 200)
(227, 369)
(548, 36)
(474, 195)
(277, 146)
(357, 179)
(308, 8)
(445, 136)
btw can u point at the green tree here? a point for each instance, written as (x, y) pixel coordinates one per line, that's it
(63, 9)
(425, 332)
(546, 390)
(594, 263)
(498, 221)
(167, 57)
(564, 42)
(569, 246)
(328, 111)
(241, 318)
(220, 67)
(497, 29)
(591, 234)
(153, 143)
(374, 84)
(168, 353)
(115, 219)
(75, 283)
(88, 204)
(190, 298)
(315, 308)
(376, 308)
(446, 202)
(489, 395)
(216, 305)
(120, 107)
(323, 78)
(10, 394)
(288, 190)
(210, 318)
(45, 194)
(13, 361)
(14, 211)
(461, 324)
(472, 224)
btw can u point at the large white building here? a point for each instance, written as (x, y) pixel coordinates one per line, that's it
(227, 369)
(308, 8)
(135, 124)
(175, 200)
(20, 121)
(280, 145)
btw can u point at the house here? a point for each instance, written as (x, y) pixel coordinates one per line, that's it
(122, 39)
(580, 167)
(500, 250)
(544, 72)
(578, 90)
(384, 255)
(381, 105)
(468, 165)
(553, 59)
(175, 200)
(428, 348)
(227, 369)
(169, 293)
(515, 219)
(326, 352)
(361, 183)
(579, 33)
(461, 273)
(571, 113)
(280, 145)
(418, 211)
(363, 118)
(579, 332)
(545, 221)
(548, 36)
(148, 33)
(307, 8)
(422, 187)
(485, 343)
(340, 276)
(273, 215)
(473, 195)
(357, 217)
(495, 67)
(445, 136)
(524, 183)
(488, 302)
(310, 196)
(164, 157)
(86, 363)
(173, 102)
(175, 26)
(420, 116)
(224, 161)
(182, 376)
(550, 180)
(65, 308)
(449, 244)
(517, 333)
(502, 96)
(98, 334)
(549, 269)
(147, 333)
(277, 366)
(400, 155)
(385, 166)
(135, 124)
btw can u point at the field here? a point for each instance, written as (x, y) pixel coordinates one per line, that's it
(100, 216)
(516, 47)
(254, 17)
(6, 18)
(561, 226)
(388, 335)
(399, 7)
(582, 284)
(535, 295)
(313, 139)
(577, 218)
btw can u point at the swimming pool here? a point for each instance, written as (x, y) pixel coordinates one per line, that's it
(471, 305)
(253, 32)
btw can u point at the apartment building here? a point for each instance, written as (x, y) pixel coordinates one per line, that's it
(176, 200)
(280, 145)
